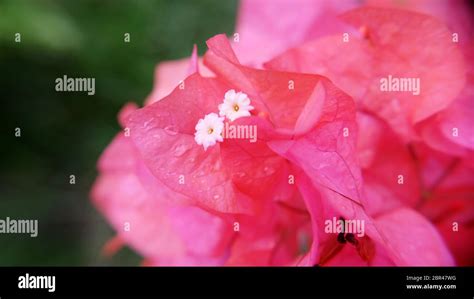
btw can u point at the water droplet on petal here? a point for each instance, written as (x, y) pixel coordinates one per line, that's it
(145, 124)
(180, 149)
(240, 174)
(217, 166)
(199, 174)
(171, 130)
(268, 170)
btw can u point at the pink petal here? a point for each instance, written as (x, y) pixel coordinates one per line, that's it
(325, 153)
(358, 65)
(452, 130)
(255, 169)
(398, 234)
(268, 28)
(441, 79)
(282, 96)
(270, 238)
(348, 64)
(164, 135)
(409, 234)
(121, 198)
(453, 213)
(457, 15)
(381, 174)
(155, 228)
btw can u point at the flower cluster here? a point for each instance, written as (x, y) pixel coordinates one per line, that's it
(365, 149)
(209, 129)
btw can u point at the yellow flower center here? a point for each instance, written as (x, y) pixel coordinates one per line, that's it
(210, 131)
(236, 107)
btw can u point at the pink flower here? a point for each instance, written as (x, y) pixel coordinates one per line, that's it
(181, 192)
(448, 183)
(382, 53)
(266, 29)
(444, 123)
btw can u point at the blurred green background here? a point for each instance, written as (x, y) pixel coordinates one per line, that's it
(63, 133)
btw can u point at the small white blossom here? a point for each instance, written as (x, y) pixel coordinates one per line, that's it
(235, 105)
(209, 130)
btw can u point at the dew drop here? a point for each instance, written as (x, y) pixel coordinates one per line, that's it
(240, 174)
(180, 149)
(200, 174)
(171, 130)
(145, 124)
(268, 170)
(217, 166)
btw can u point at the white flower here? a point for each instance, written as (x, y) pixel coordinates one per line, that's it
(208, 130)
(235, 105)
